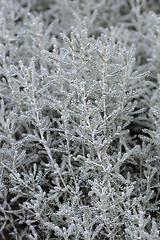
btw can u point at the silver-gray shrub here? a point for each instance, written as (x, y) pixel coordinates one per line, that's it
(79, 120)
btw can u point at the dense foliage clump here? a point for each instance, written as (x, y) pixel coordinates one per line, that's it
(79, 120)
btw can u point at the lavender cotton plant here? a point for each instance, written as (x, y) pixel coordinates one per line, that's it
(79, 120)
